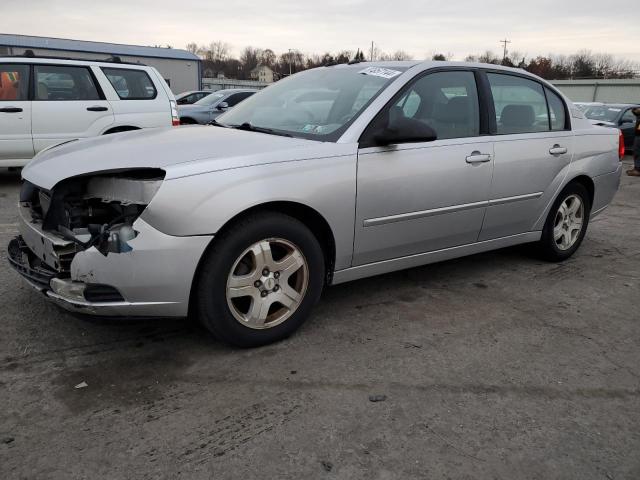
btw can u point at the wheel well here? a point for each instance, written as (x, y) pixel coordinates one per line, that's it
(123, 128)
(310, 217)
(587, 183)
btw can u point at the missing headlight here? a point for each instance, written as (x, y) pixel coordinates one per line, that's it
(97, 210)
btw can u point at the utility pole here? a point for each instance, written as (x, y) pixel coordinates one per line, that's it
(504, 52)
(290, 61)
(372, 50)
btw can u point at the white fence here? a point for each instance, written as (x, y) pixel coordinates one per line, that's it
(606, 91)
(222, 83)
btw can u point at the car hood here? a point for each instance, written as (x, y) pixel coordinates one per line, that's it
(180, 151)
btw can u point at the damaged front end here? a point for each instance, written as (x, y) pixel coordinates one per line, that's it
(78, 214)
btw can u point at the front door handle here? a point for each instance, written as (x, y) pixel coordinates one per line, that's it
(558, 150)
(97, 108)
(477, 157)
(10, 110)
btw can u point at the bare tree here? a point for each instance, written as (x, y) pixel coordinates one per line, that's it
(192, 47)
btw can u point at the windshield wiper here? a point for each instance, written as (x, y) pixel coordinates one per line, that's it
(216, 123)
(252, 128)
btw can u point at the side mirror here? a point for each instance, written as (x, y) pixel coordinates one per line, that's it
(405, 130)
(222, 106)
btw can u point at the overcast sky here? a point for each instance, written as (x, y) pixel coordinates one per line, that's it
(420, 27)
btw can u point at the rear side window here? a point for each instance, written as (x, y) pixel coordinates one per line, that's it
(58, 83)
(131, 84)
(556, 110)
(520, 104)
(14, 82)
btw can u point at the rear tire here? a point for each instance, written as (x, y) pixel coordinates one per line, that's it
(566, 224)
(260, 280)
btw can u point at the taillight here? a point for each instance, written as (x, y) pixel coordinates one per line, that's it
(175, 118)
(621, 149)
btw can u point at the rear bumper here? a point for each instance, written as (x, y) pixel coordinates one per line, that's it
(152, 280)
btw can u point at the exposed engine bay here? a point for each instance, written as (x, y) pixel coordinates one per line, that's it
(93, 211)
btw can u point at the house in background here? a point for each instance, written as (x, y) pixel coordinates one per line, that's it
(181, 69)
(262, 73)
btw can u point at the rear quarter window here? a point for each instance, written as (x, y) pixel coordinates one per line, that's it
(131, 84)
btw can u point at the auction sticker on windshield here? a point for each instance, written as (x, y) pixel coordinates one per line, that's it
(380, 72)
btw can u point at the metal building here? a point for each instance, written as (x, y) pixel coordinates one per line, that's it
(181, 69)
(605, 91)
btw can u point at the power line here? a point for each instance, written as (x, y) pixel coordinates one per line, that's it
(504, 53)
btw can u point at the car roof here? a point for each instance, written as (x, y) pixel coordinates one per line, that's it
(71, 61)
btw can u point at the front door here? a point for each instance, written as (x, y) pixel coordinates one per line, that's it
(15, 113)
(67, 104)
(421, 197)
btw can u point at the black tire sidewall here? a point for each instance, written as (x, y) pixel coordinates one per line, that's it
(213, 310)
(548, 247)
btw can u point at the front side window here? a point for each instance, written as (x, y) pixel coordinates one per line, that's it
(131, 84)
(317, 104)
(14, 82)
(445, 101)
(58, 83)
(520, 104)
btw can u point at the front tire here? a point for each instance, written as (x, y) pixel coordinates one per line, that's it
(566, 224)
(260, 280)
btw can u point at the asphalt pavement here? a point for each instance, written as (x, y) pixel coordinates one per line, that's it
(496, 366)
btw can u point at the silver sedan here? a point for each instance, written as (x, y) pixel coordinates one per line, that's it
(329, 175)
(207, 109)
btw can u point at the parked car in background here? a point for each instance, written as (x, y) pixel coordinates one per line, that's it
(245, 223)
(207, 109)
(615, 115)
(188, 98)
(584, 105)
(46, 101)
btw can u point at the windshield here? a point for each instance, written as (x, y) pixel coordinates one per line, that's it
(317, 104)
(603, 113)
(210, 99)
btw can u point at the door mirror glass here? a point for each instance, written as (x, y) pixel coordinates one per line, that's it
(222, 106)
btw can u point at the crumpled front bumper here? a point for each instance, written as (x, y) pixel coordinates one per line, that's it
(152, 280)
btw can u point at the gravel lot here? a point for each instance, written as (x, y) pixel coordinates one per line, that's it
(493, 366)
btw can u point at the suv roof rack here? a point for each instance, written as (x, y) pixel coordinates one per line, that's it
(110, 59)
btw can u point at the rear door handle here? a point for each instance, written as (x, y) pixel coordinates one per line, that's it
(10, 110)
(558, 150)
(97, 108)
(477, 157)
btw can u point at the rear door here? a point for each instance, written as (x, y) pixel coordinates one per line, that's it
(67, 104)
(533, 150)
(15, 114)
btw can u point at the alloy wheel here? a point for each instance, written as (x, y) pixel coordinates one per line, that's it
(568, 222)
(267, 283)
